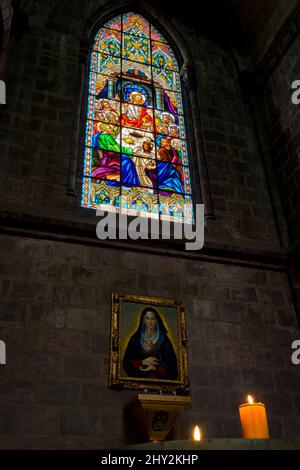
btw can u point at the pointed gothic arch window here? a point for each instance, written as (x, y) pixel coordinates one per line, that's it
(136, 154)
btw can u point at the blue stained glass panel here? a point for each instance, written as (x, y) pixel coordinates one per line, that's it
(138, 171)
(105, 64)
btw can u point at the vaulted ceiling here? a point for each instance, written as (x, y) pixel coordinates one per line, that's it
(245, 24)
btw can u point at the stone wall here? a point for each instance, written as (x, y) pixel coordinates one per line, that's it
(284, 125)
(239, 190)
(5, 18)
(55, 319)
(261, 21)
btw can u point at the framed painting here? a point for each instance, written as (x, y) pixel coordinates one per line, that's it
(148, 348)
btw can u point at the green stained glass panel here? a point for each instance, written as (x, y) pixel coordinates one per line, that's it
(108, 42)
(105, 64)
(163, 56)
(136, 49)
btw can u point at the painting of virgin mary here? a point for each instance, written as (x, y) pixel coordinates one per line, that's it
(150, 353)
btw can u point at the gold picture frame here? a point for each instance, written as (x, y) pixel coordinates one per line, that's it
(148, 345)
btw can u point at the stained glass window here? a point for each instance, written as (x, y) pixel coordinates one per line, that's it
(136, 154)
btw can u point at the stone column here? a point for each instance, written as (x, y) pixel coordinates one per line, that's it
(7, 12)
(196, 130)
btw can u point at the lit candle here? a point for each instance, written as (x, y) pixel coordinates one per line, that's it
(197, 434)
(254, 420)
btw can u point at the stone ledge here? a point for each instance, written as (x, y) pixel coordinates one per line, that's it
(220, 444)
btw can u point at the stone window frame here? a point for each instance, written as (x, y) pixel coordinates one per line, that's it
(201, 193)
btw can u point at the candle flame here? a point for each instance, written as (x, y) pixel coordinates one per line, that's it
(250, 400)
(197, 434)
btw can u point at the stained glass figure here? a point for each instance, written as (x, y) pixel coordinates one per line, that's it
(136, 154)
(138, 142)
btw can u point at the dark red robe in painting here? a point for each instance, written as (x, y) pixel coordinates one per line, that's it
(163, 352)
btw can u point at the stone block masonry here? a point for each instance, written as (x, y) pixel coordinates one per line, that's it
(54, 387)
